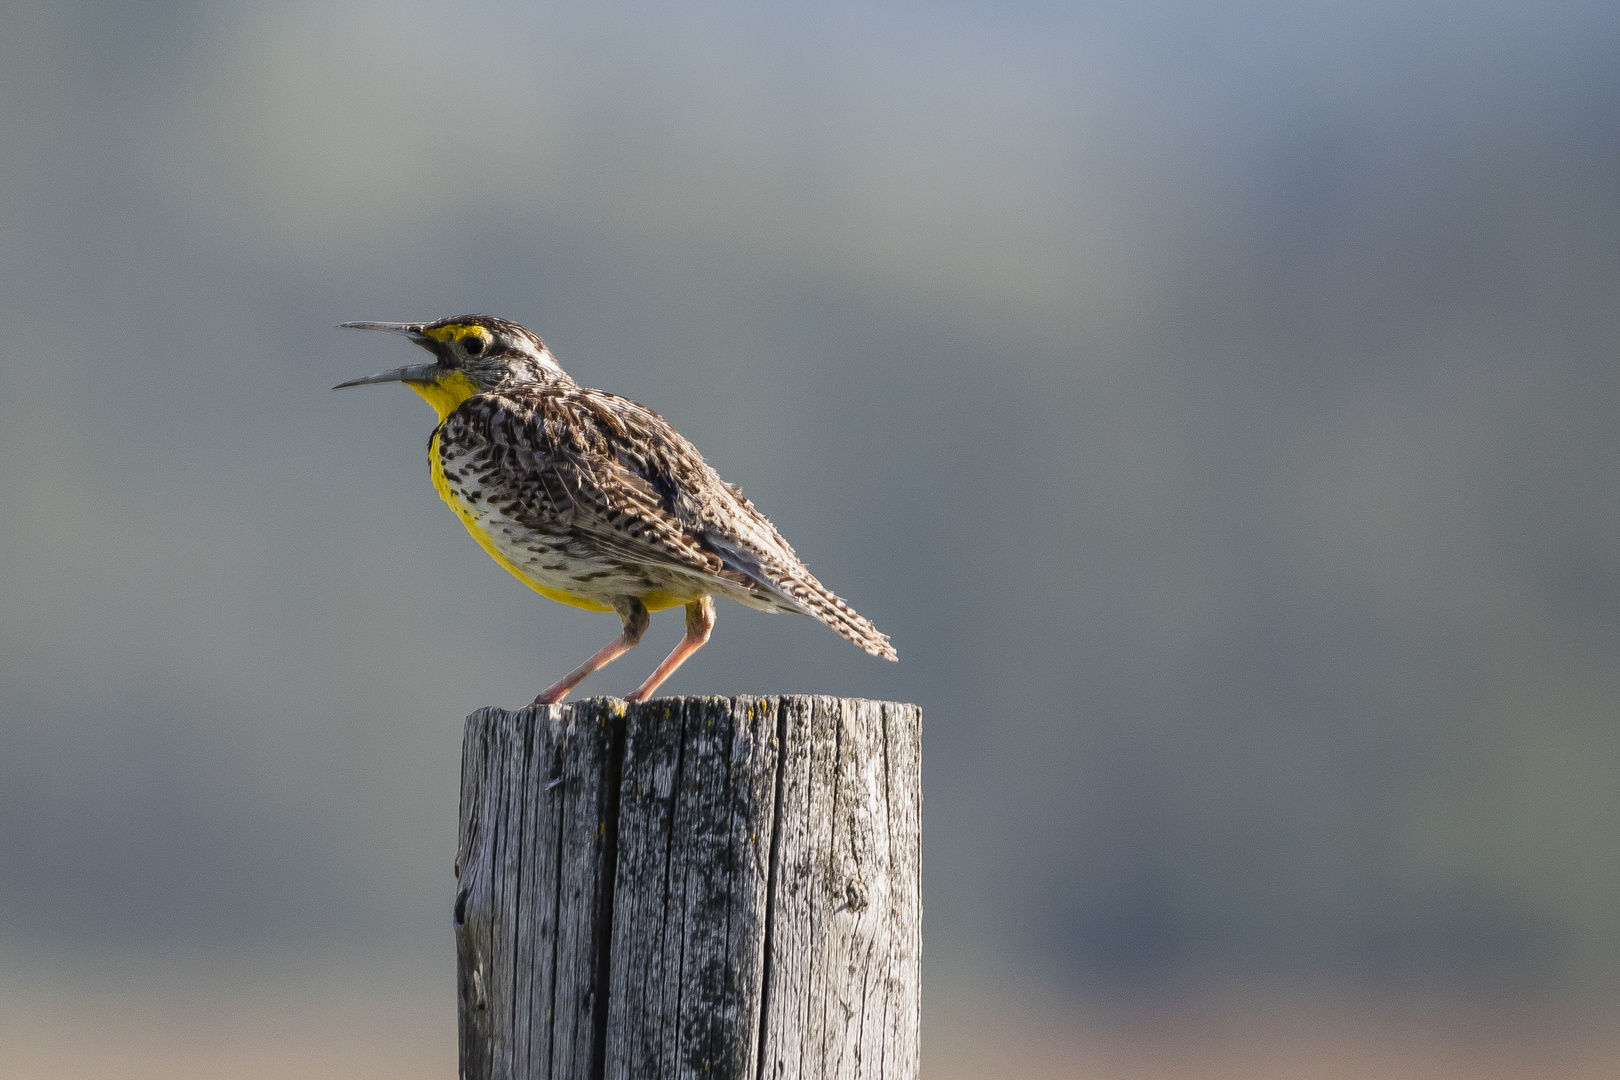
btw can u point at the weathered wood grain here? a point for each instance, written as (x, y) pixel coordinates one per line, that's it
(691, 887)
(537, 788)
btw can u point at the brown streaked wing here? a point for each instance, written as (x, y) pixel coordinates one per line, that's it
(559, 457)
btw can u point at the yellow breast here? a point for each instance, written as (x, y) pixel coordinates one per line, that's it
(441, 484)
(445, 395)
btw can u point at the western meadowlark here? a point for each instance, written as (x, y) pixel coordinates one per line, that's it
(594, 500)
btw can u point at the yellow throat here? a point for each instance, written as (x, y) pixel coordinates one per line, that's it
(446, 393)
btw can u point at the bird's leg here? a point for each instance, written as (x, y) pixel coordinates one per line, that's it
(699, 622)
(635, 625)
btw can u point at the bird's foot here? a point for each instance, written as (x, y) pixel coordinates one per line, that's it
(551, 695)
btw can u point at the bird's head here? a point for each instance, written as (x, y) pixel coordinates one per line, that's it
(471, 354)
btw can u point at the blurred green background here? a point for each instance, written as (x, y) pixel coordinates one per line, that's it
(1217, 402)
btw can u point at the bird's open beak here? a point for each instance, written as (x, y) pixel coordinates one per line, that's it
(422, 373)
(413, 373)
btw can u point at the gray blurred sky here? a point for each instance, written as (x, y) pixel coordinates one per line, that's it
(1216, 402)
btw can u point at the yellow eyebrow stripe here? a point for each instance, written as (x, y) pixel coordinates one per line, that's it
(454, 332)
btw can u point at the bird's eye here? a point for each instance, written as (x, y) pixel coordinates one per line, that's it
(473, 343)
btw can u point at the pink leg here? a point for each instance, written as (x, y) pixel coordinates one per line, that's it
(699, 622)
(635, 625)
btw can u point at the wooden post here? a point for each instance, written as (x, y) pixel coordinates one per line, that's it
(725, 888)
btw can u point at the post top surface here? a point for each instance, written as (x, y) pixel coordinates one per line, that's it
(621, 706)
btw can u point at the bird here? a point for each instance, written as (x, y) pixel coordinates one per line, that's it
(594, 500)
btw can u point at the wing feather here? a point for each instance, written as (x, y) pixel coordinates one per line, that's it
(586, 464)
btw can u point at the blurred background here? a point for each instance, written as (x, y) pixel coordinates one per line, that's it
(1217, 402)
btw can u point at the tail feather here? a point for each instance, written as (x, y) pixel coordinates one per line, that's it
(798, 591)
(827, 606)
(820, 602)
